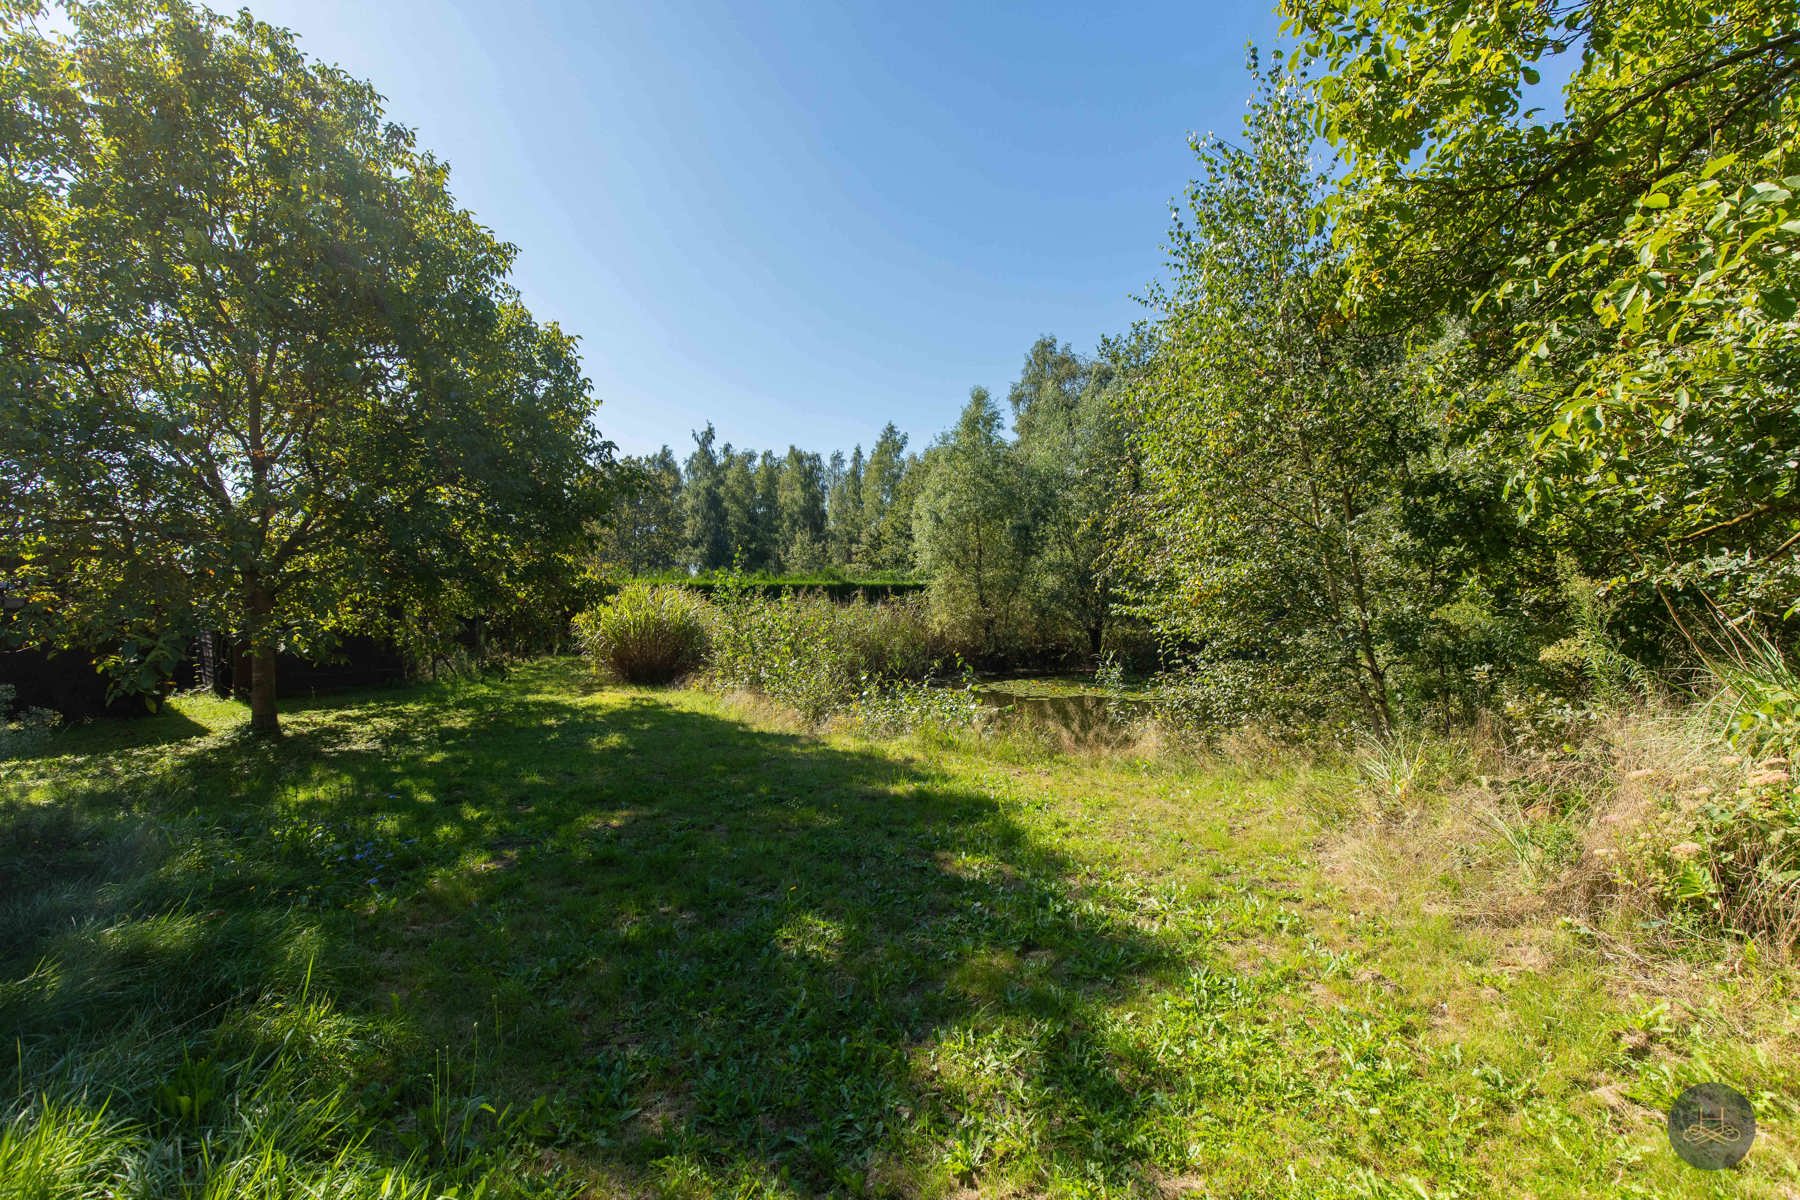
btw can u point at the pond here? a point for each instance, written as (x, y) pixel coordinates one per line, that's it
(1075, 710)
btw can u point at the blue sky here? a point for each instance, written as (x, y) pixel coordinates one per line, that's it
(801, 220)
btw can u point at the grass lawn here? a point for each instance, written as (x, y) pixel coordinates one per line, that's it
(535, 937)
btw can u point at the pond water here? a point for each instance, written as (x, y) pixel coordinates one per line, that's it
(1084, 716)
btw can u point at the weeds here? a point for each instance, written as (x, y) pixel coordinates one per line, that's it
(25, 731)
(818, 656)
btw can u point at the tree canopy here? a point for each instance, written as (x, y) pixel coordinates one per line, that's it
(261, 374)
(1624, 245)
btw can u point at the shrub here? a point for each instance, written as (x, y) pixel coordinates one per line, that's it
(26, 730)
(815, 655)
(646, 634)
(902, 707)
(1743, 858)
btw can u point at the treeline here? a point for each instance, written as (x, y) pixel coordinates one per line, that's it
(1008, 530)
(798, 513)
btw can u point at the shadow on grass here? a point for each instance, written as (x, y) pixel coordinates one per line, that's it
(110, 734)
(663, 934)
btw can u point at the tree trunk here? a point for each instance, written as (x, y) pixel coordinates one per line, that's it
(263, 719)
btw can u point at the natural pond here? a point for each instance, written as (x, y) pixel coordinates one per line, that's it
(1071, 709)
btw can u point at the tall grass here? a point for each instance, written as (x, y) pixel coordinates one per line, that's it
(815, 655)
(166, 1034)
(646, 634)
(1748, 837)
(1678, 823)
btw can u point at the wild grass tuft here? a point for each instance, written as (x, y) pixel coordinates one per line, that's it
(646, 634)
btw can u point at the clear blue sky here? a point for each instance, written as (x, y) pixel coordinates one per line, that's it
(803, 219)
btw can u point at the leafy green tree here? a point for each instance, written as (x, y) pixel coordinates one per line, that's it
(886, 543)
(1072, 450)
(1271, 437)
(800, 502)
(743, 525)
(644, 530)
(844, 512)
(258, 372)
(1633, 255)
(973, 526)
(768, 539)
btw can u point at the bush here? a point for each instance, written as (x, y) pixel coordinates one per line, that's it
(815, 655)
(646, 634)
(903, 707)
(26, 730)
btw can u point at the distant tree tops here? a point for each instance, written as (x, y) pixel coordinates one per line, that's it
(792, 513)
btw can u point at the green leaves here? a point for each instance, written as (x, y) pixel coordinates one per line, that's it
(1631, 249)
(1272, 437)
(254, 345)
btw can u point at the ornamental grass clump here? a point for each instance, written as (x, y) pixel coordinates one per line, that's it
(646, 634)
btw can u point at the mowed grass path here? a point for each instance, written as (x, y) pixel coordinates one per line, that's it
(536, 937)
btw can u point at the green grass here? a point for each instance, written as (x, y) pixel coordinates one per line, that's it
(528, 937)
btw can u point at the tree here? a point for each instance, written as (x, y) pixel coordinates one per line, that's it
(886, 543)
(844, 511)
(737, 490)
(704, 525)
(1072, 451)
(801, 504)
(644, 530)
(1272, 437)
(769, 542)
(972, 527)
(258, 372)
(1634, 255)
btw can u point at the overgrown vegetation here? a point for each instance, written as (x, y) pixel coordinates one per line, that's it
(1431, 803)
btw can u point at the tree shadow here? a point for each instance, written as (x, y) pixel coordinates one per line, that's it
(662, 930)
(107, 735)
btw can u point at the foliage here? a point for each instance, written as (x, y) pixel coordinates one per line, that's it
(260, 373)
(646, 634)
(25, 730)
(1628, 252)
(1071, 445)
(972, 528)
(1684, 417)
(1741, 866)
(888, 485)
(909, 707)
(792, 514)
(643, 532)
(816, 655)
(801, 516)
(1285, 456)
